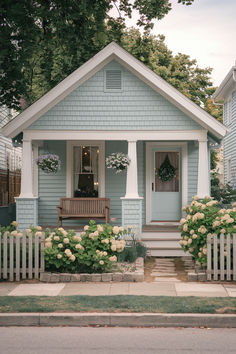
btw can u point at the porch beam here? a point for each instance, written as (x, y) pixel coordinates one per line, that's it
(27, 170)
(127, 135)
(203, 169)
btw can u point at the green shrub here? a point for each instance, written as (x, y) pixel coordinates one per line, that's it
(93, 251)
(204, 217)
(134, 249)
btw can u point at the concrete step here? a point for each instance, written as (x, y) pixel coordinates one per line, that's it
(166, 252)
(161, 243)
(161, 235)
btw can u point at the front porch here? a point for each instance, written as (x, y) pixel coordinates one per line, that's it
(131, 193)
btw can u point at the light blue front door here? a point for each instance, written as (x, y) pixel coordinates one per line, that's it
(165, 195)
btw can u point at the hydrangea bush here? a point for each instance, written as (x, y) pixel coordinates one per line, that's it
(204, 217)
(95, 250)
(118, 161)
(49, 163)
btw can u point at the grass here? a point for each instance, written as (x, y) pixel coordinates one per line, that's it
(121, 303)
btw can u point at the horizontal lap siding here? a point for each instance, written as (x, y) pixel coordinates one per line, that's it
(116, 183)
(52, 187)
(230, 141)
(137, 107)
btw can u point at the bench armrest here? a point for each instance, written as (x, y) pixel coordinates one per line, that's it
(59, 207)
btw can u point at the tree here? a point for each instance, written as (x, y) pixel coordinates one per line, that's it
(179, 70)
(42, 41)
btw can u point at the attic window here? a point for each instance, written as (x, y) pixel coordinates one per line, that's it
(113, 81)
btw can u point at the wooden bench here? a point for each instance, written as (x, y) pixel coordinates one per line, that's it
(83, 208)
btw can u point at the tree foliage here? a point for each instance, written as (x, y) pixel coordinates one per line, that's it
(43, 41)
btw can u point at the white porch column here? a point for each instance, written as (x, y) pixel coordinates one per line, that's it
(27, 171)
(132, 172)
(203, 169)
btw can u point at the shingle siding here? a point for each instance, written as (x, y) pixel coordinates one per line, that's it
(137, 107)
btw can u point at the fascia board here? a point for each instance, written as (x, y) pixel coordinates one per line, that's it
(55, 95)
(222, 91)
(172, 95)
(87, 70)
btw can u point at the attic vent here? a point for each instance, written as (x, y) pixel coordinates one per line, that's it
(113, 80)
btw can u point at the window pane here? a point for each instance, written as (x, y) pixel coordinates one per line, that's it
(86, 171)
(173, 184)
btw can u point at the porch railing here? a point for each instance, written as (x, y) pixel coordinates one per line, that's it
(221, 257)
(21, 257)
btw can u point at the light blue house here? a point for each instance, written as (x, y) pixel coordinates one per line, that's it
(114, 103)
(226, 95)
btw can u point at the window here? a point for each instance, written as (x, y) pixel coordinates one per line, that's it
(86, 171)
(229, 110)
(112, 81)
(173, 184)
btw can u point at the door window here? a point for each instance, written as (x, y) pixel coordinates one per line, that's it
(173, 184)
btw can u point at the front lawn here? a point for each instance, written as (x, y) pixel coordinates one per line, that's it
(118, 303)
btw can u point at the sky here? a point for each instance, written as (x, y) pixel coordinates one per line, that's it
(206, 31)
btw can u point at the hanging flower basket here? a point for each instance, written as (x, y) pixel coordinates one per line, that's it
(118, 161)
(49, 163)
(166, 172)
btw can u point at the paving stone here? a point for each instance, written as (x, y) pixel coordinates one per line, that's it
(165, 279)
(158, 274)
(45, 277)
(96, 277)
(117, 277)
(202, 276)
(128, 276)
(107, 277)
(65, 277)
(55, 278)
(75, 277)
(192, 276)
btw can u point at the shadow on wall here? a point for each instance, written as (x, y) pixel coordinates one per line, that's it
(7, 214)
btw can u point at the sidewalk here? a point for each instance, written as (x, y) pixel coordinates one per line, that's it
(158, 288)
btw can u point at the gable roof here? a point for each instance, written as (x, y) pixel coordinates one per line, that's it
(227, 85)
(113, 52)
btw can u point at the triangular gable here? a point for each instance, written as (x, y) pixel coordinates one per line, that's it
(96, 63)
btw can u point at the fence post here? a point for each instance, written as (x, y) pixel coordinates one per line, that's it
(11, 258)
(30, 256)
(24, 256)
(228, 257)
(5, 256)
(42, 253)
(234, 256)
(215, 250)
(209, 260)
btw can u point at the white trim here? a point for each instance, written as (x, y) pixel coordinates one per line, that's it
(69, 165)
(87, 70)
(160, 135)
(184, 166)
(35, 170)
(27, 170)
(132, 172)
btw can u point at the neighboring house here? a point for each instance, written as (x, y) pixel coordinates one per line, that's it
(10, 162)
(226, 95)
(114, 103)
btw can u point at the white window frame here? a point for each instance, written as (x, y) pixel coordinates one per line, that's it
(69, 165)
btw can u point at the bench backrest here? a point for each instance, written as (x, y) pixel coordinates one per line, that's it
(84, 206)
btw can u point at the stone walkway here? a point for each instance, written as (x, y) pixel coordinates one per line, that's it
(171, 269)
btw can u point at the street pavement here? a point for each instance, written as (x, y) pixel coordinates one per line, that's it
(28, 340)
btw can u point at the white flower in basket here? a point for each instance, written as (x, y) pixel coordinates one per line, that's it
(49, 163)
(118, 161)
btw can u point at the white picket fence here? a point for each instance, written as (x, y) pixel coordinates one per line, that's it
(21, 257)
(221, 257)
